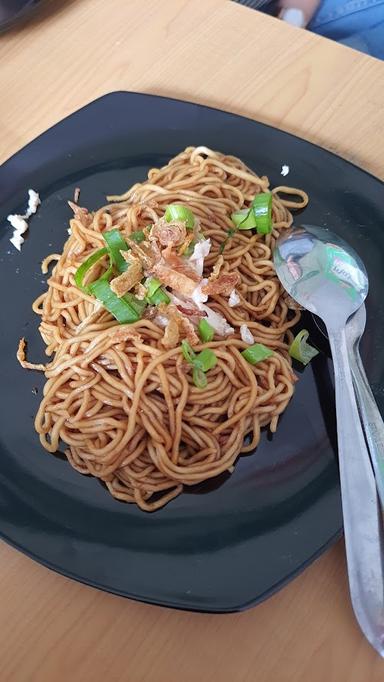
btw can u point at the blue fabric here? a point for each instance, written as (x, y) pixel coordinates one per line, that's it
(356, 23)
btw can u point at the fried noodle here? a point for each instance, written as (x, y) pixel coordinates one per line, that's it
(123, 403)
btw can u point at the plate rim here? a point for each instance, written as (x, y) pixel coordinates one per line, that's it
(135, 93)
(179, 605)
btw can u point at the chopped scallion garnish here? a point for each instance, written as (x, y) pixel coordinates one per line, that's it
(135, 303)
(86, 266)
(126, 310)
(180, 212)
(206, 331)
(201, 363)
(244, 219)
(160, 296)
(137, 236)
(301, 350)
(199, 378)
(116, 244)
(258, 216)
(206, 360)
(188, 352)
(256, 353)
(262, 210)
(155, 292)
(152, 285)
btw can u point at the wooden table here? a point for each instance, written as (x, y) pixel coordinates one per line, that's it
(222, 54)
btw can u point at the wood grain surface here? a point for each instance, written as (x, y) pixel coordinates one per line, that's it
(218, 53)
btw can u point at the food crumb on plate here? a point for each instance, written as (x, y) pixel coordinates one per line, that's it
(19, 222)
(284, 169)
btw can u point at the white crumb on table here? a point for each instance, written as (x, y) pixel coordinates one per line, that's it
(284, 170)
(20, 222)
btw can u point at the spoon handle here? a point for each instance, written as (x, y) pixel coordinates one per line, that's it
(370, 416)
(361, 510)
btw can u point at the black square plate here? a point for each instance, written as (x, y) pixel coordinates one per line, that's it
(230, 543)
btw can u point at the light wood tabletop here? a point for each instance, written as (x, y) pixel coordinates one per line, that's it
(218, 53)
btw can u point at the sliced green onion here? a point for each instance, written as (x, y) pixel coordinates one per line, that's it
(107, 274)
(136, 304)
(152, 285)
(87, 265)
(301, 350)
(137, 236)
(205, 360)
(120, 308)
(180, 212)
(199, 378)
(116, 244)
(155, 292)
(256, 353)
(244, 219)
(201, 363)
(206, 331)
(160, 296)
(262, 210)
(188, 352)
(258, 216)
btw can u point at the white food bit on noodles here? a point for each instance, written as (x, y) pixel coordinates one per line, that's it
(246, 334)
(201, 251)
(234, 299)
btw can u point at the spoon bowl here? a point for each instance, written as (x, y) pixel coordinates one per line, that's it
(322, 273)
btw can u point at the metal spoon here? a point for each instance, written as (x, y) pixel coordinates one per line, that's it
(322, 273)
